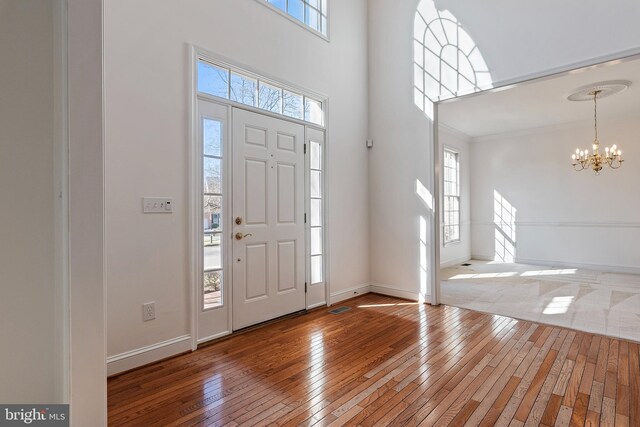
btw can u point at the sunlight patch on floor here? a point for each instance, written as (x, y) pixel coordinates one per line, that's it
(558, 305)
(548, 272)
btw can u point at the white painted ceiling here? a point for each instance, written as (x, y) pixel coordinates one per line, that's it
(543, 103)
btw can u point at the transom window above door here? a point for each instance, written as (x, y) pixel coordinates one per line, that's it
(311, 13)
(243, 87)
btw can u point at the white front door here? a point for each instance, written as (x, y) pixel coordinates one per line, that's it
(268, 218)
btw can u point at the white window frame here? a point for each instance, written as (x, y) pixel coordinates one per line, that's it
(302, 24)
(445, 195)
(222, 158)
(222, 63)
(316, 137)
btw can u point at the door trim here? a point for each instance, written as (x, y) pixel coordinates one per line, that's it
(194, 177)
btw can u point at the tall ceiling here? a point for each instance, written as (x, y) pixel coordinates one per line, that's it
(543, 103)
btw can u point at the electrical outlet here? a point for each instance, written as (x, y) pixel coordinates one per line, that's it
(149, 311)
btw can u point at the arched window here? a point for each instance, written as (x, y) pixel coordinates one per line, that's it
(447, 62)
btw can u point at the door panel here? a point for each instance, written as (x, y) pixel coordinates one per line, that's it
(286, 266)
(255, 192)
(257, 261)
(268, 201)
(286, 189)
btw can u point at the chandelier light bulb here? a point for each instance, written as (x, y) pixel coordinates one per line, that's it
(614, 147)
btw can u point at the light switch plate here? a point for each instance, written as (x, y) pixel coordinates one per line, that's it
(157, 205)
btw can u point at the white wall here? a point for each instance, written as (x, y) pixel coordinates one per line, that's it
(534, 37)
(458, 252)
(531, 39)
(86, 289)
(31, 350)
(563, 217)
(147, 124)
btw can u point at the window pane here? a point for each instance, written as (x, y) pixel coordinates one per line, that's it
(314, 3)
(316, 212)
(296, 9)
(212, 176)
(316, 190)
(313, 111)
(212, 239)
(455, 234)
(316, 156)
(212, 252)
(270, 98)
(312, 18)
(323, 7)
(213, 80)
(292, 105)
(212, 289)
(323, 25)
(316, 269)
(243, 89)
(212, 206)
(316, 241)
(212, 137)
(280, 4)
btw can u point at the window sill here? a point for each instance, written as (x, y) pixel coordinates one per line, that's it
(452, 243)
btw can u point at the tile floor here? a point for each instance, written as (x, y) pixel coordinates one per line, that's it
(592, 301)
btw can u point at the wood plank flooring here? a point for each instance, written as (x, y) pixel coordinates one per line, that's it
(390, 362)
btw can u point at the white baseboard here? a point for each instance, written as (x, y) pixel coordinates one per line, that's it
(596, 267)
(483, 257)
(149, 354)
(394, 292)
(349, 293)
(455, 261)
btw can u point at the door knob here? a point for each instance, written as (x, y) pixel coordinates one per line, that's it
(240, 236)
(238, 220)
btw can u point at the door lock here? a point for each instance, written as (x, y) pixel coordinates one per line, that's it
(240, 236)
(238, 220)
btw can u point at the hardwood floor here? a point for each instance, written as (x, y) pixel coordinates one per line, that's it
(390, 362)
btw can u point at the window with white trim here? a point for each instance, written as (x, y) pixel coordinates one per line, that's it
(212, 136)
(240, 86)
(316, 226)
(311, 13)
(451, 196)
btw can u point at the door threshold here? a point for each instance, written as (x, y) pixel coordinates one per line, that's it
(254, 327)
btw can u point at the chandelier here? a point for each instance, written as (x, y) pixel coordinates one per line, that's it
(612, 156)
